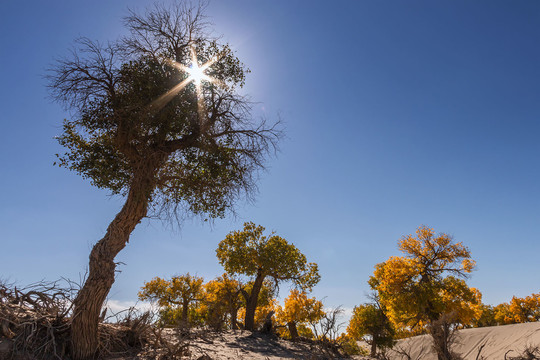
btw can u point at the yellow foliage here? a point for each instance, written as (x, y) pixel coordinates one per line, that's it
(503, 315)
(349, 345)
(172, 292)
(170, 295)
(525, 309)
(463, 302)
(261, 312)
(519, 310)
(224, 289)
(299, 309)
(421, 285)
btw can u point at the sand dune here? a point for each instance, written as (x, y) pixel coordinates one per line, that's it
(498, 340)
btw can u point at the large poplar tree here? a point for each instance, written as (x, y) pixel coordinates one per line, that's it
(155, 117)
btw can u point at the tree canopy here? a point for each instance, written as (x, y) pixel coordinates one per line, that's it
(249, 252)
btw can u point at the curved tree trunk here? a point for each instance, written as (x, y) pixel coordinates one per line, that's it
(90, 299)
(251, 302)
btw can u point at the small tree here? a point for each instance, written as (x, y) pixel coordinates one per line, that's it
(180, 291)
(222, 297)
(299, 310)
(156, 118)
(248, 252)
(370, 323)
(420, 287)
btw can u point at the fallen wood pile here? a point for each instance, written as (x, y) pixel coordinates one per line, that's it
(35, 322)
(35, 319)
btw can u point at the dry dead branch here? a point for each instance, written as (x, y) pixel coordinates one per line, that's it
(531, 352)
(36, 320)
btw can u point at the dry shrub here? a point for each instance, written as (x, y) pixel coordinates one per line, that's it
(36, 321)
(531, 352)
(405, 352)
(131, 331)
(35, 318)
(326, 333)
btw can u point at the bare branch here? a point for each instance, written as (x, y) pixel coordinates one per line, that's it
(166, 31)
(89, 74)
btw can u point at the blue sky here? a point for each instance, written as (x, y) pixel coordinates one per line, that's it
(397, 114)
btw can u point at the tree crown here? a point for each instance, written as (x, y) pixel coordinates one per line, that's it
(139, 114)
(178, 290)
(249, 252)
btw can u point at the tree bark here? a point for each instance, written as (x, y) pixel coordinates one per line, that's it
(184, 322)
(251, 303)
(293, 331)
(234, 315)
(373, 348)
(90, 299)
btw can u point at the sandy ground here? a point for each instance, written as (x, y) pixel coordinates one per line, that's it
(498, 340)
(240, 345)
(245, 345)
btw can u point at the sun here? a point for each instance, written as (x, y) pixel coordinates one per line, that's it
(197, 74)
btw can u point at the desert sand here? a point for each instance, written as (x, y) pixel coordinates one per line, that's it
(496, 341)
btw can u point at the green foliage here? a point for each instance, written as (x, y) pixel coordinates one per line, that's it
(248, 252)
(142, 126)
(195, 144)
(369, 323)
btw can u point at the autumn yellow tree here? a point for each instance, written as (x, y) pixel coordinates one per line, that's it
(370, 324)
(486, 318)
(525, 309)
(503, 315)
(250, 253)
(221, 299)
(177, 293)
(426, 283)
(298, 309)
(518, 310)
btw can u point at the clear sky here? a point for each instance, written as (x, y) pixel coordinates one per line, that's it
(397, 114)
